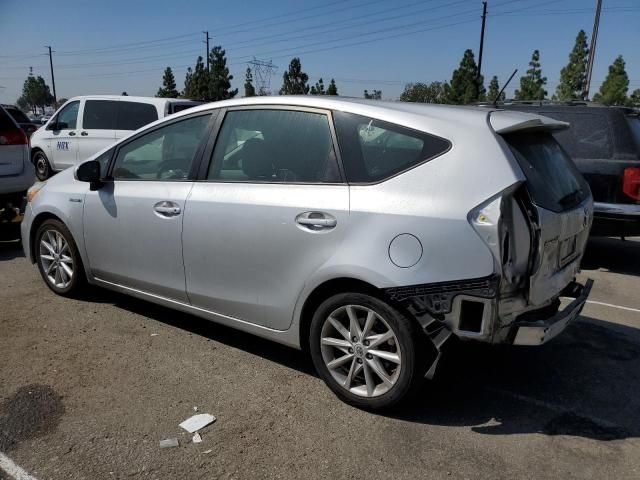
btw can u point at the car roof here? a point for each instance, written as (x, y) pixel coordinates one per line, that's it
(130, 98)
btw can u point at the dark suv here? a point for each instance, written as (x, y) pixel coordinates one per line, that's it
(604, 142)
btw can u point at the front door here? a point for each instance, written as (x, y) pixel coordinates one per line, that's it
(62, 137)
(133, 224)
(271, 212)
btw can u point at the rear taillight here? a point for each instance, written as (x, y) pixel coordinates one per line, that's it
(631, 182)
(13, 137)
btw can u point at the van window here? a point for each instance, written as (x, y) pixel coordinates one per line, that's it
(275, 146)
(68, 116)
(552, 178)
(373, 150)
(99, 115)
(133, 115)
(634, 123)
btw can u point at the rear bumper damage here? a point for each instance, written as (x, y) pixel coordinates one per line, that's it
(538, 327)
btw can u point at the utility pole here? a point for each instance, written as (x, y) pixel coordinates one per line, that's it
(592, 51)
(53, 80)
(206, 34)
(484, 20)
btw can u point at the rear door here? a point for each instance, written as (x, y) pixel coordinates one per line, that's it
(132, 116)
(270, 212)
(563, 210)
(13, 147)
(98, 126)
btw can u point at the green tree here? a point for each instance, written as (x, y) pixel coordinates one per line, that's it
(374, 95)
(35, 94)
(318, 89)
(333, 88)
(423, 93)
(465, 86)
(249, 89)
(196, 82)
(494, 90)
(634, 99)
(613, 90)
(294, 80)
(573, 75)
(532, 84)
(168, 89)
(219, 81)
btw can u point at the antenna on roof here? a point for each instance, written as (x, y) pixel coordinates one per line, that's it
(495, 100)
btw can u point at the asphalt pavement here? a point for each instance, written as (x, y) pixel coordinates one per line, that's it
(89, 387)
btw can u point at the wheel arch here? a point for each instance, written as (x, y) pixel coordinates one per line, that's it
(326, 290)
(35, 225)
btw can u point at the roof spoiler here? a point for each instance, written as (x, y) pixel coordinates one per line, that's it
(509, 121)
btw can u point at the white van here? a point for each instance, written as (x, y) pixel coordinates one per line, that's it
(85, 125)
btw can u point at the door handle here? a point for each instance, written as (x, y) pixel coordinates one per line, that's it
(72, 134)
(316, 220)
(84, 134)
(167, 209)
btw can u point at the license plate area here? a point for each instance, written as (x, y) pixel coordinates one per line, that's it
(568, 250)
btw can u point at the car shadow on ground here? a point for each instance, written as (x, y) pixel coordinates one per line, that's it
(613, 254)
(585, 383)
(10, 249)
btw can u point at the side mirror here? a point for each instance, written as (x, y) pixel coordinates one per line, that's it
(90, 172)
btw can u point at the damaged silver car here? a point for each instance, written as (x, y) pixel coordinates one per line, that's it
(368, 234)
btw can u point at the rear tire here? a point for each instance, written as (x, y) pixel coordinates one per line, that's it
(367, 352)
(43, 167)
(58, 259)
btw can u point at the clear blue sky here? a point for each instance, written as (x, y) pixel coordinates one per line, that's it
(114, 46)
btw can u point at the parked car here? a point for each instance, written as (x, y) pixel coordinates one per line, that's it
(85, 125)
(604, 142)
(22, 120)
(45, 118)
(16, 171)
(367, 233)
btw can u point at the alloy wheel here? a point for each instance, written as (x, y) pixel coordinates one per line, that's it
(56, 260)
(361, 350)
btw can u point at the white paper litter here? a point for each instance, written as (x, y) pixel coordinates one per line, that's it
(169, 442)
(154, 334)
(196, 438)
(207, 451)
(195, 423)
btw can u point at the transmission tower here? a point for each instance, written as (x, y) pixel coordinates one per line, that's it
(262, 71)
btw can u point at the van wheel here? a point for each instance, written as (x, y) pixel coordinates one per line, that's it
(58, 259)
(365, 350)
(43, 167)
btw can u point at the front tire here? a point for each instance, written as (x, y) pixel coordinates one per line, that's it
(58, 259)
(365, 350)
(43, 167)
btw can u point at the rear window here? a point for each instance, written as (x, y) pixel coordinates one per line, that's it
(373, 150)
(589, 136)
(133, 115)
(6, 123)
(18, 115)
(99, 115)
(552, 178)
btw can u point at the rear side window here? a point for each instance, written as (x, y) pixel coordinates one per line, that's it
(133, 115)
(99, 115)
(588, 137)
(373, 150)
(634, 123)
(552, 178)
(179, 107)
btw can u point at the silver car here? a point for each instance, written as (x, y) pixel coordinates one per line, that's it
(366, 233)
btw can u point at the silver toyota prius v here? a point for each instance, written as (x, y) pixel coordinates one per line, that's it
(369, 234)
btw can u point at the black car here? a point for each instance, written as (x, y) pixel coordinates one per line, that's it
(604, 142)
(21, 119)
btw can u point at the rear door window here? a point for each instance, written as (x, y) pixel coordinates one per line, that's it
(373, 150)
(99, 115)
(554, 181)
(133, 115)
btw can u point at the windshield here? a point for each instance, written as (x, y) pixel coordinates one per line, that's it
(553, 180)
